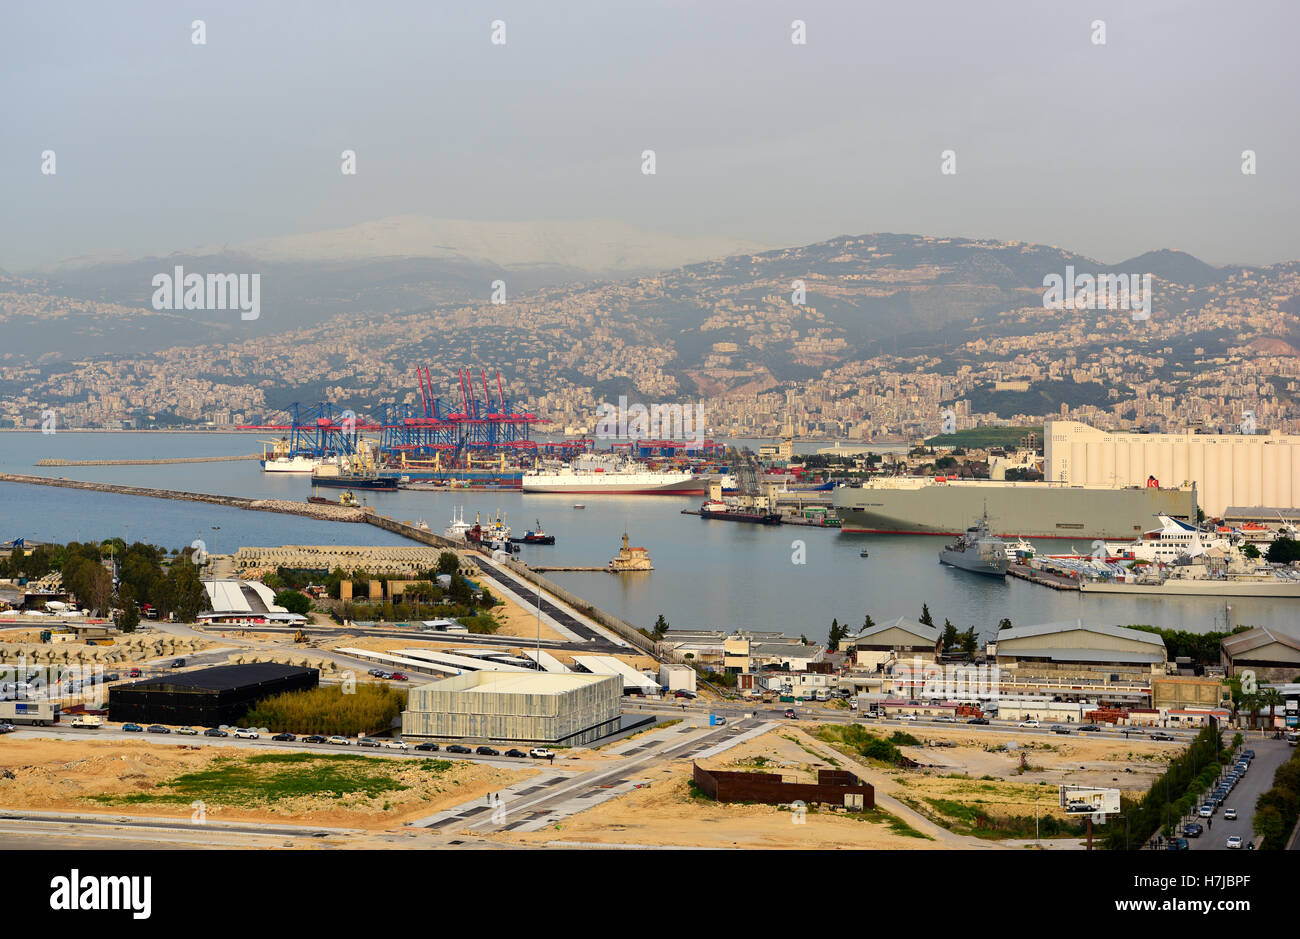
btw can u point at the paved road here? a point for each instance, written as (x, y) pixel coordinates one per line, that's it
(597, 641)
(1269, 755)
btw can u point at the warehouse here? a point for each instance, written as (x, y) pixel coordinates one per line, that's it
(208, 697)
(1270, 653)
(510, 707)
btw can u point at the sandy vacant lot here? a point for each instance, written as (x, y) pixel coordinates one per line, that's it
(666, 813)
(117, 778)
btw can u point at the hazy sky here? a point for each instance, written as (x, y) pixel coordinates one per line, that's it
(1109, 150)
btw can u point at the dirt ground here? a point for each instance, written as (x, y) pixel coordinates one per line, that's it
(64, 775)
(666, 812)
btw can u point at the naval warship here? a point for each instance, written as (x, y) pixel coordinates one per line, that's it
(977, 551)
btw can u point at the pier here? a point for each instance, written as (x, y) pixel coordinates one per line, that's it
(327, 513)
(176, 459)
(1055, 581)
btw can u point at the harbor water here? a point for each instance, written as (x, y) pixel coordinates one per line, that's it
(706, 573)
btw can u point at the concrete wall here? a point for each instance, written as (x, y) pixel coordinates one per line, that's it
(831, 788)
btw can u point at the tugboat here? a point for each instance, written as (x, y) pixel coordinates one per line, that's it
(535, 536)
(977, 551)
(347, 499)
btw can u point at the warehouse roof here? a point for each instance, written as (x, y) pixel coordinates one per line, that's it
(1076, 654)
(1065, 626)
(928, 633)
(517, 682)
(1253, 639)
(220, 677)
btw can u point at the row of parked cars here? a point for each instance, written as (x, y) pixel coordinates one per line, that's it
(1213, 802)
(387, 676)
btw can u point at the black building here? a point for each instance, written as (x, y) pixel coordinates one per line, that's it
(208, 697)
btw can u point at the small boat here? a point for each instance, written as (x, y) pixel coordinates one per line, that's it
(862, 554)
(535, 536)
(579, 506)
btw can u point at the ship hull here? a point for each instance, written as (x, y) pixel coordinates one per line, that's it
(973, 565)
(381, 483)
(1018, 510)
(755, 518)
(1199, 588)
(294, 465)
(638, 485)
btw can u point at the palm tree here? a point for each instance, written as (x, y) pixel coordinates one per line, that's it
(1272, 698)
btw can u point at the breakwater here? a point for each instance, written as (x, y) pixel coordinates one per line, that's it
(176, 459)
(328, 513)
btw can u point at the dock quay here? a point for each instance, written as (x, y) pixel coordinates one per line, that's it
(178, 459)
(542, 569)
(328, 513)
(1055, 581)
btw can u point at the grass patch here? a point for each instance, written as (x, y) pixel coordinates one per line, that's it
(273, 777)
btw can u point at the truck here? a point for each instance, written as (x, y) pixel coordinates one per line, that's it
(90, 721)
(40, 711)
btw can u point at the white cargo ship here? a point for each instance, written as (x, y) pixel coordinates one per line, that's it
(280, 460)
(603, 474)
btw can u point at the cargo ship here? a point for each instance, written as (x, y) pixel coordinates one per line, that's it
(597, 475)
(913, 505)
(282, 460)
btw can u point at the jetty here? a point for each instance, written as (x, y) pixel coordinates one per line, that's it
(1055, 581)
(175, 459)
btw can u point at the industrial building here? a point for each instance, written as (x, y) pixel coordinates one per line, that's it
(1229, 470)
(516, 707)
(1076, 661)
(1271, 654)
(901, 638)
(208, 697)
(245, 603)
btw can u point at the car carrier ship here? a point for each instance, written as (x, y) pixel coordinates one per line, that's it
(913, 505)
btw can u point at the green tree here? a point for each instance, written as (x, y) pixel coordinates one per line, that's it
(951, 639)
(660, 628)
(836, 634)
(868, 622)
(129, 617)
(1251, 551)
(181, 591)
(926, 619)
(1004, 623)
(293, 601)
(1283, 551)
(448, 562)
(969, 642)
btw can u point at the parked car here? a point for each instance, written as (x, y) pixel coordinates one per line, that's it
(368, 742)
(517, 754)
(944, 718)
(1248, 754)
(1230, 815)
(178, 663)
(1160, 735)
(397, 676)
(683, 693)
(1028, 724)
(187, 731)
(1060, 729)
(789, 712)
(1234, 841)
(427, 747)
(133, 728)
(375, 672)
(338, 741)
(285, 738)
(246, 733)
(458, 748)
(1193, 829)
(487, 751)
(134, 673)
(907, 717)
(112, 676)
(384, 675)
(541, 753)
(978, 720)
(1206, 811)
(159, 729)
(1090, 728)
(1177, 844)
(215, 732)
(312, 738)
(396, 745)
(7, 728)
